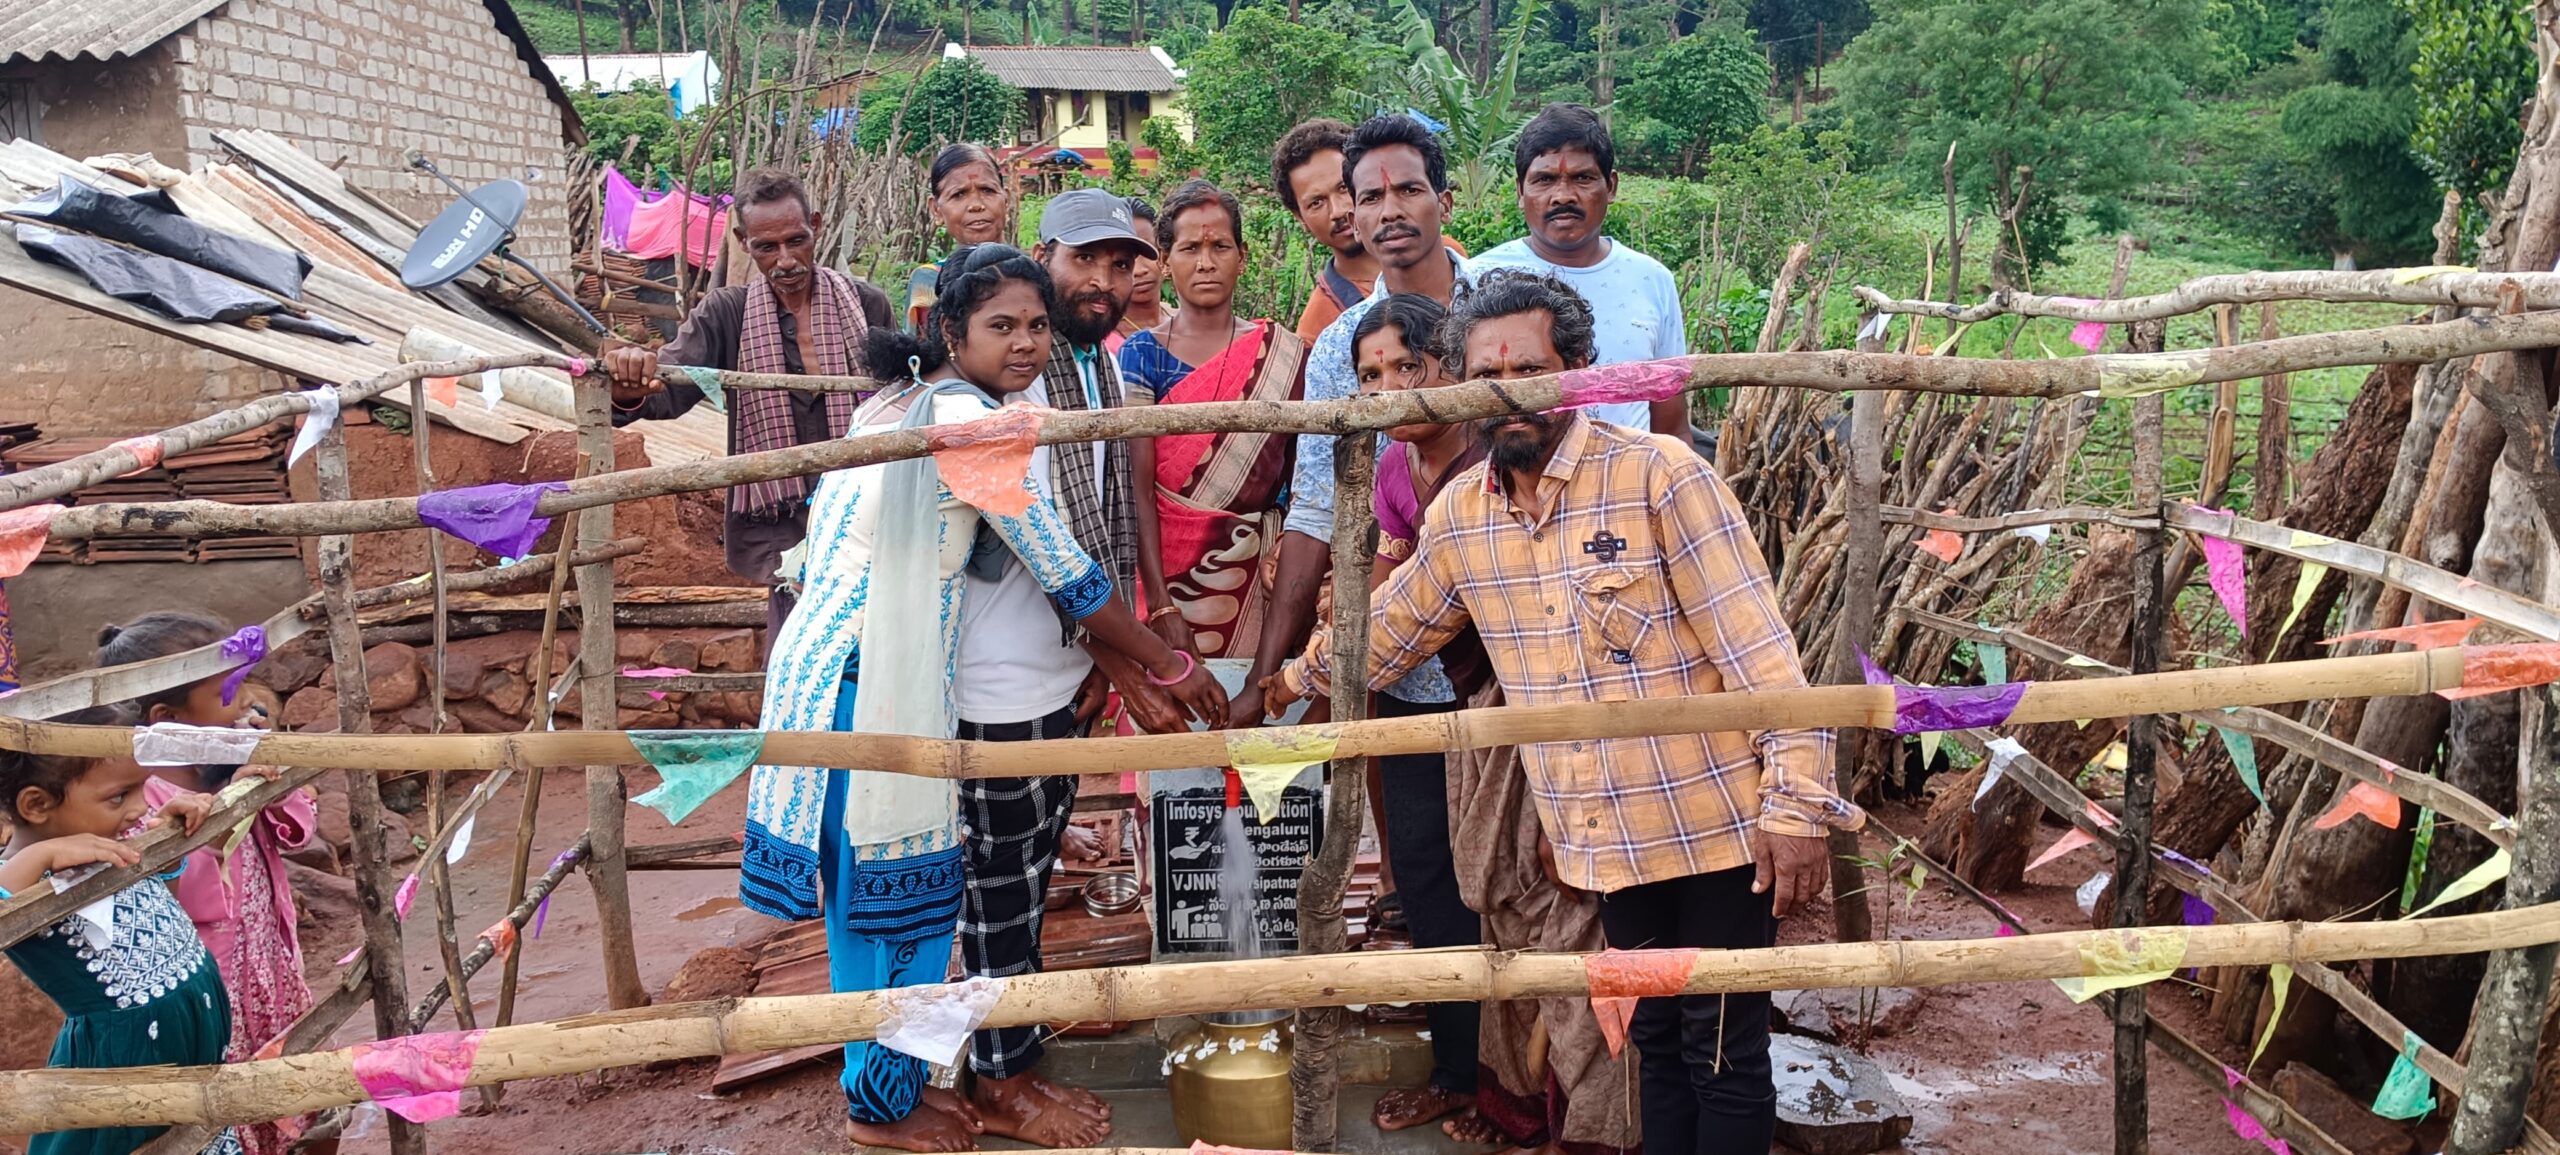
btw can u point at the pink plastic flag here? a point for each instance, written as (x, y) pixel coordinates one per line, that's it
(2422, 636)
(22, 536)
(578, 365)
(407, 894)
(2229, 578)
(418, 1077)
(146, 449)
(657, 672)
(2006, 931)
(1626, 381)
(985, 461)
(2089, 335)
(2069, 842)
(1619, 977)
(2245, 1124)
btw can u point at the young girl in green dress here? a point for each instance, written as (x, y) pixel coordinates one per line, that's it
(139, 990)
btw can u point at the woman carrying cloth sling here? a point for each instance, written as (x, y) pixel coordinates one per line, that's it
(1201, 541)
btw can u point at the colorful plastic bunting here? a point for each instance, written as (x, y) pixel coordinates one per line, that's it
(418, 1077)
(2407, 1092)
(1921, 708)
(2244, 760)
(2228, 576)
(1267, 761)
(2304, 585)
(244, 649)
(1942, 544)
(1994, 660)
(2125, 958)
(2479, 878)
(2422, 636)
(2089, 335)
(497, 517)
(1623, 382)
(2279, 984)
(2245, 1124)
(146, 449)
(708, 380)
(316, 423)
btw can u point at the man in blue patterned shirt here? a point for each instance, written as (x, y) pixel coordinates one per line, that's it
(1399, 184)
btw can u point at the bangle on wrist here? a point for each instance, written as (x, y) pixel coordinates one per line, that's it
(1162, 611)
(1189, 664)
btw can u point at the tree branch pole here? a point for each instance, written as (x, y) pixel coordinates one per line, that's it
(529, 811)
(1851, 918)
(133, 680)
(1830, 372)
(1314, 1073)
(68, 476)
(2446, 799)
(387, 973)
(65, 1098)
(2133, 861)
(439, 873)
(2371, 675)
(599, 708)
(483, 950)
(2460, 289)
(2508, 1019)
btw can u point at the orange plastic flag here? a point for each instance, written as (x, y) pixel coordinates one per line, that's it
(2365, 798)
(22, 536)
(2424, 635)
(2069, 842)
(502, 938)
(985, 461)
(1942, 544)
(1619, 977)
(2489, 669)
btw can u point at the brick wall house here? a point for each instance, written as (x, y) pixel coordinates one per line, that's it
(357, 83)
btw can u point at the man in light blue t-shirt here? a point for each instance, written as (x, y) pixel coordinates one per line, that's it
(1567, 170)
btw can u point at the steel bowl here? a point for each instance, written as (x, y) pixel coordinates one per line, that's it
(1109, 895)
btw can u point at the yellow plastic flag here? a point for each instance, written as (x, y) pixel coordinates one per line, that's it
(2143, 374)
(1268, 760)
(2280, 983)
(2472, 882)
(2125, 958)
(2303, 587)
(2417, 273)
(2304, 539)
(2084, 661)
(1929, 740)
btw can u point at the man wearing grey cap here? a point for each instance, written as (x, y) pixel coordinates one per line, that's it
(1015, 826)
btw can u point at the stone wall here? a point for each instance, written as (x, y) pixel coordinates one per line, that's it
(359, 84)
(489, 682)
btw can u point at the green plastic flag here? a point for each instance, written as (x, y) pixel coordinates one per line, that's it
(693, 765)
(708, 380)
(2472, 882)
(2407, 1092)
(1995, 662)
(2244, 759)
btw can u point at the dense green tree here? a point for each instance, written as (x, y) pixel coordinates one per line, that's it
(1704, 89)
(1256, 79)
(1480, 120)
(1804, 34)
(2349, 135)
(2474, 72)
(953, 100)
(2084, 92)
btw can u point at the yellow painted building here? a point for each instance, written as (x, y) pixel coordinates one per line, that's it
(1084, 97)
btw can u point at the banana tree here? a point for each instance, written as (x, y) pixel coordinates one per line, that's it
(1480, 122)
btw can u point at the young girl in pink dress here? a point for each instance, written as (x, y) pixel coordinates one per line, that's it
(241, 903)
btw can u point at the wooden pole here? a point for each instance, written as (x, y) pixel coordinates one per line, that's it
(64, 1098)
(1314, 1074)
(63, 478)
(2371, 675)
(388, 973)
(520, 912)
(599, 708)
(2384, 286)
(2271, 490)
(530, 810)
(1852, 920)
(2477, 599)
(2133, 861)
(2508, 1019)
(1829, 371)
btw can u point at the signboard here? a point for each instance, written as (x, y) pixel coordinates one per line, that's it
(1189, 857)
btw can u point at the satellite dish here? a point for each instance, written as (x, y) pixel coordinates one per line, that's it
(467, 230)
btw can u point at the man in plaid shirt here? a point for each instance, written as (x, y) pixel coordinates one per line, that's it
(1602, 564)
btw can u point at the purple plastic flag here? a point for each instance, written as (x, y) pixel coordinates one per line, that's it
(1626, 381)
(498, 517)
(2198, 912)
(1875, 673)
(246, 648)
(543, 911)
(2187, 862)
(1918, 708)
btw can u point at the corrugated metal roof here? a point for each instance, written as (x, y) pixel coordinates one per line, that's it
(98, 29)
(1080, 69)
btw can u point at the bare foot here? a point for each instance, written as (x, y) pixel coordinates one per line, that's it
(1471, 1127)
(1414, 1106)
(1036, 1111)
(950, 1103)
(923, 1130)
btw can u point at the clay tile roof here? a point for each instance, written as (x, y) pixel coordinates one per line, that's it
(1085, 69)
(99, 29)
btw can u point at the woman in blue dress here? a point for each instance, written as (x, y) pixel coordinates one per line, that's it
(870, 648)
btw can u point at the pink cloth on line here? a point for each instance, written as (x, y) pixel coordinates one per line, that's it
(656, 225)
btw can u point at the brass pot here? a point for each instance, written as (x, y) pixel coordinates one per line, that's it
(1229, 1074)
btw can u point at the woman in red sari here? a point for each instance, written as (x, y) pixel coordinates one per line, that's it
(1202, 539)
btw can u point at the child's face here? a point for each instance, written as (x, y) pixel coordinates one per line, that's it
(106, 801)
(204, 707)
